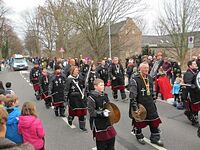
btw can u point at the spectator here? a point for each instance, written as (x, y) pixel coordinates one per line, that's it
(6, 143)
(176, 91)
(11, 105)
(2, 90)
(30, 126)
(8, 88)
(2, 100)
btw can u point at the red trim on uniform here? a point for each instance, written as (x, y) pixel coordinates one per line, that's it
(119, 87)
(154, 123)
(36, 87)
(195, 106)
(46, 97)
(77, 112)
(189, 106)
(106, 134)
(58, 104)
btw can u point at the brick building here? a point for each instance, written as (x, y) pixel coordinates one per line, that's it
(126, 39)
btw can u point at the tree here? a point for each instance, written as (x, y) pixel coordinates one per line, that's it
(32, 32)
(56, 20)
(47, 29)
(181, 18)
(92, 18)
(160, 29)
(3, 11)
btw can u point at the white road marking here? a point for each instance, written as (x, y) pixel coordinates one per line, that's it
(24, 72)
(65, 120)
(164, 101)
(154, 145)
(149, 142)
(94, 148)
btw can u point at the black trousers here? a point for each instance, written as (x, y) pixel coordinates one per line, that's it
(106, 145)
(155, 133)
(176, 97)
(115, 94)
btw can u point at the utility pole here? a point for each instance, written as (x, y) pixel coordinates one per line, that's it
(109, 40)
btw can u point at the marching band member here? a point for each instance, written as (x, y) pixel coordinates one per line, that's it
(92, 77)
(85, 67)
(141, 92)
(44, 87)
(102, 72)
(103, 131)
(57, 90)
(116, 73)
(76, 99)
(34, 79)
(194, 102)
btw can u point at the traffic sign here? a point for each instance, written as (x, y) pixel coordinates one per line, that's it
(190, 42)
(190, 39)
(62, 50)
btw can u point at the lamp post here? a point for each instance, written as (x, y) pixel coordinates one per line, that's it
(109, 40)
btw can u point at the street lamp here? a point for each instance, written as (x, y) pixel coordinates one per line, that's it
(109, 40)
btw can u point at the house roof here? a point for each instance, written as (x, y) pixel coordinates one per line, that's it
(165, 40)
(115, 28)
(156, 41)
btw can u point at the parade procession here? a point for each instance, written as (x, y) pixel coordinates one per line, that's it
(99, 75)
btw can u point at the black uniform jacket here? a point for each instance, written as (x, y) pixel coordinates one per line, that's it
(138, 95)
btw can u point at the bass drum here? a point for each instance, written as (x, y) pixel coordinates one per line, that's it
(115, 114)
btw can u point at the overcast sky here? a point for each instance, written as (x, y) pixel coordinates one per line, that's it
(19, 7)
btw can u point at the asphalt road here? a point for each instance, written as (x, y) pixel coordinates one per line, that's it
(177, 131)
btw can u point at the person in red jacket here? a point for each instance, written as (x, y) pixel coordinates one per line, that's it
(30, 126)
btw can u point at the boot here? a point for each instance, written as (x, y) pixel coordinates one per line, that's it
(123, 95)
(56, 112)
(159, 143)
(62, 112)
(82, 126)
(141, 141)
(47, 105)
(155, 138)
(70, 119)
(37, 95)
(198, 132)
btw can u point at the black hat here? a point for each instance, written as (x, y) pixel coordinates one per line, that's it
(57, 67)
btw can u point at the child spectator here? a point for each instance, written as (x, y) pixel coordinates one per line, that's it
(2, 89)
(102, 128)
(11, 105)
(6, 143)
(8, 88)
(30, 126)
(2, 100)
(176, 92)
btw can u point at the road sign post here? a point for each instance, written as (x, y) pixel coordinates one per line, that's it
(190, 44)
(62, 51)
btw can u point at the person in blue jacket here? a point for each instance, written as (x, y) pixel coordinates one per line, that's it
(175, 91)
(11, 105)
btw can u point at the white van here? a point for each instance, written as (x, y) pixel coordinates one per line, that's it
(19, 63)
